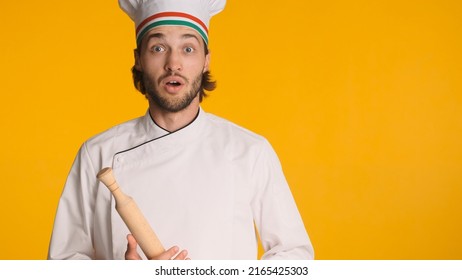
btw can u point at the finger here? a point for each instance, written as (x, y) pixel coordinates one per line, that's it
(132, 244)
(169, 254)
(131, 253)
(182, 255)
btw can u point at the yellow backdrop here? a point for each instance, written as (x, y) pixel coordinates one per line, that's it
(362, 100)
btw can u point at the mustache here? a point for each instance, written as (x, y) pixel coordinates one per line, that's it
(171, 74)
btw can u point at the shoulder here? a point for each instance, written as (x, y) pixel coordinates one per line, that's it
(234, 131)
(236, 140)
(118, 137)
(239, 143)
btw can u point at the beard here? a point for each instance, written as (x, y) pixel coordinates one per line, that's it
(173, 104)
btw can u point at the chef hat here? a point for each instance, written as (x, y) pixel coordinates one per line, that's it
(148, 14)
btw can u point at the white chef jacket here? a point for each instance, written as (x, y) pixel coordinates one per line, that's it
(208, 188)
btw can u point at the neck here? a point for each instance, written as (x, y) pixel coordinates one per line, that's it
(172, 121)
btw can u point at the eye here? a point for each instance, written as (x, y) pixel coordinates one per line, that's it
(157, 48)
(188, 50)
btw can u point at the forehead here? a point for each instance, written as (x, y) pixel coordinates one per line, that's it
(170, 33)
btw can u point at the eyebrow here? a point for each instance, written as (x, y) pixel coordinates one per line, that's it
(189, 35)
(155, 35)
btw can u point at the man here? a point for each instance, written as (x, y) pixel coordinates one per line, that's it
(204, 184)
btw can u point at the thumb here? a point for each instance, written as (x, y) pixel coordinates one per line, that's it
(131, 253)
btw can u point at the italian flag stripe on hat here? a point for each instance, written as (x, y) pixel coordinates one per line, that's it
(171, 18)
(148, 14)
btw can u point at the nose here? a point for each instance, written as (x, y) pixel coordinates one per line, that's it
(173, 62)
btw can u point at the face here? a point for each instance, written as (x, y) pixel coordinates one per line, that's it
(172, 60)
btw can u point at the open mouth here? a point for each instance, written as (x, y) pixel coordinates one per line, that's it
(174, 83)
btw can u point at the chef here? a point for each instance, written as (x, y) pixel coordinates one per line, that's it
(206, 185)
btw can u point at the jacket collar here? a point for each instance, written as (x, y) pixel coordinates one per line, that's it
(158, 140)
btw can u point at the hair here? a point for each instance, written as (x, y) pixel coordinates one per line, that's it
(207, 84)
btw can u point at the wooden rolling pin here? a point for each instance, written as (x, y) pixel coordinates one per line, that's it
(132, 216)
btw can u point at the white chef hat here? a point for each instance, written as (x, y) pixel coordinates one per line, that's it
(148, 14)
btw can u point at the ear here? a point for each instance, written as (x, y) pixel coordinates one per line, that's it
(137, 60)
(206, 63)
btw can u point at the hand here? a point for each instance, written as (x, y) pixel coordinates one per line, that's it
(170, 254)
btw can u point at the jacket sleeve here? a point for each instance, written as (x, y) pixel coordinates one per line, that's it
(282, 232)
(73, 226)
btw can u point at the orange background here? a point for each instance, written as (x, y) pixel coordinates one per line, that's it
(360, 99)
